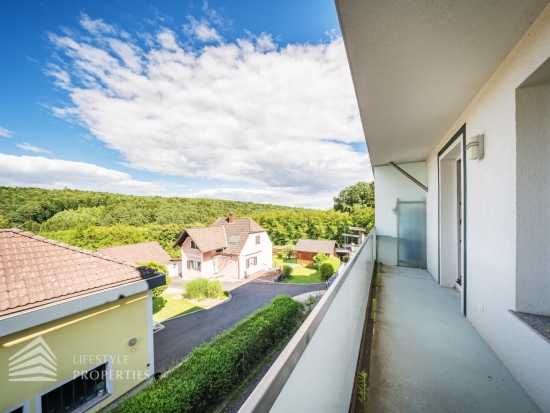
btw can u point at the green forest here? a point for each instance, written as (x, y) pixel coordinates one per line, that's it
(93, 220)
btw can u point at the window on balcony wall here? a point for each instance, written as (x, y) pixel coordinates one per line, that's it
(193, 265)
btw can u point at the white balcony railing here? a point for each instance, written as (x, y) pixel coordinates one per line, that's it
(316, 370)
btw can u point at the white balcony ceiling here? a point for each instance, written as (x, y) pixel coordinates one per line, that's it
(417, 64)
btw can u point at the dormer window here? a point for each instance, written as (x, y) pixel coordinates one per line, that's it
(193, 245)
(234, 239)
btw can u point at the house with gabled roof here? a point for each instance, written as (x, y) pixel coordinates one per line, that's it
(231, 247)
(75, 325)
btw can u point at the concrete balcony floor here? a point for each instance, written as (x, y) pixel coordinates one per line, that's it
(427, 357)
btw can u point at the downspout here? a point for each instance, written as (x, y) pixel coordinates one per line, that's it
(417, 182)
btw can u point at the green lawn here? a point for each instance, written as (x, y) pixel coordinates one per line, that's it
(303, 274)
(277, 262)
(165, 308)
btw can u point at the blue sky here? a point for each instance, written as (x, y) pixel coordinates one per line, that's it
(236, 100)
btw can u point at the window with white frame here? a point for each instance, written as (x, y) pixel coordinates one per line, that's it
(193, 245)
(193, 265)
(251, 261)
(233, 239)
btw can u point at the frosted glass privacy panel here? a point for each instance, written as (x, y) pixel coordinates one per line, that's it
(322, 381)
(411, 233)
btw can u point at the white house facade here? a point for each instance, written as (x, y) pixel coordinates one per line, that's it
(231, 247)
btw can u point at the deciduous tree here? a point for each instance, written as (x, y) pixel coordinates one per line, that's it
(362, 193)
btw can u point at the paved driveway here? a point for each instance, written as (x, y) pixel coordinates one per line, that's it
(181, 335)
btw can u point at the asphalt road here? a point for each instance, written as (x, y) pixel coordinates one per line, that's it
(183, 334)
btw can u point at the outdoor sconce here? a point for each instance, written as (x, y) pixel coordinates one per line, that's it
(474, 147)
(132, 342)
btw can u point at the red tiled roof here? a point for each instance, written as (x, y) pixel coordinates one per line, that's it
(143, 252)
(35, 271)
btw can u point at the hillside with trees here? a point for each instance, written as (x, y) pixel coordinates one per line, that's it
(98, 219)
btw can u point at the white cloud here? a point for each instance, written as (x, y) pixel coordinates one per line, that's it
(201, 30)
(28, 147)
(279, 119)
(62, 78)
(289, 196)
(37, 171)
(96, 26)
(5, 133)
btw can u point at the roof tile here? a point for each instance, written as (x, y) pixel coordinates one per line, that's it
(35, 269)
(216, 235)
(143, 252)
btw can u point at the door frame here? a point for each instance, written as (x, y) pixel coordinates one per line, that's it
(458, 139)
(459, 227)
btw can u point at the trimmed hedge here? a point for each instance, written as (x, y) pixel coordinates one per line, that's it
(213, 370)
(202, 288)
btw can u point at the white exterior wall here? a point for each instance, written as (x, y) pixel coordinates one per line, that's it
(174, 268)
(390, 185)
(491, 216)
(263, 251)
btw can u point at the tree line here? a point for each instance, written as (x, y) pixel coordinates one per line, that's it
(94, 220)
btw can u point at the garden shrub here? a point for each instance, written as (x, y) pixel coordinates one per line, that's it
(335, 261)
(160, 268)
(326, 270)
(214, 289)
(202, 288)
(319, 259)
(287, 270)
(213, 370)
(329, 267)
(196, 289)
(280, 255)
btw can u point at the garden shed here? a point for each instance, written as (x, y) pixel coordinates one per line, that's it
(306, 249)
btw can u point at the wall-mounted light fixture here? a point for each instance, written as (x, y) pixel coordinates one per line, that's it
(475, 147)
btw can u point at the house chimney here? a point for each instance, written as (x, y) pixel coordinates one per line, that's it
(231, 217)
